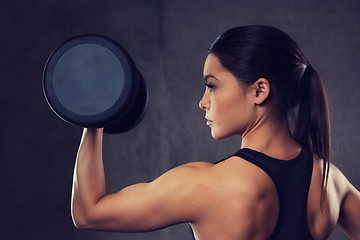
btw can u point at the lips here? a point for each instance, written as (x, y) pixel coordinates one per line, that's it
(208, 122)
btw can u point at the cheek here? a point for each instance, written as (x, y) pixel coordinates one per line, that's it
(231, 107)
(230, 117)
(233, 116)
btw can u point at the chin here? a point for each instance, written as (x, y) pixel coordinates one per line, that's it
(217, 135)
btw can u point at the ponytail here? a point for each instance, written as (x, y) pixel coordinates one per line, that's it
(312, 126)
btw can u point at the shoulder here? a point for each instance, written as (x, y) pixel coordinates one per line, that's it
(340, 181)
(337, 180)
(238, 189)
(244, 174)
(246, 187)
(349, 196)
(343, 186)
(184, 175)
(192, 170)
(231, 176)
(337, 185)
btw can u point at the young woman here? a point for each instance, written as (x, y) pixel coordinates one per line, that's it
(279, 185)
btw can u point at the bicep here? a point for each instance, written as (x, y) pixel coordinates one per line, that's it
(350, 213)
(168, 200)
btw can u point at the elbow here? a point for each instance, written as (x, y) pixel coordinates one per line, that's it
(82, 222)
(80, 226)
(79, 223)
(84, 225)
(81, 216)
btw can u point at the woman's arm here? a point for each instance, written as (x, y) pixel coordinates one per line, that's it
(172, 198)
(89, 179)
(349, 218)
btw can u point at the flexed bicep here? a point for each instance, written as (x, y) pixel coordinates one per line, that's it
(168, 200)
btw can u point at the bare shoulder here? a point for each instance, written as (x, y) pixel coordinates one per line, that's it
(349, 215)
(230, 180)
(248, 175)
(324, 215)
(192, 171)
(340, 183)
(189, 174)
(240, 192)
(337, 175)
(198, 165)
(337, 188)
(343, 185)
(189, 169)
(336, 180)
(229, 177)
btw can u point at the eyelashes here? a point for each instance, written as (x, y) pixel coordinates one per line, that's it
(210, 86)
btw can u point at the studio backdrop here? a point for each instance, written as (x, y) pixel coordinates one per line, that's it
(168, 42)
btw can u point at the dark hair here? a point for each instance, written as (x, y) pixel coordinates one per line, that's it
(253, 52)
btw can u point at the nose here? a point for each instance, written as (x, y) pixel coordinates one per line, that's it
(204, 103)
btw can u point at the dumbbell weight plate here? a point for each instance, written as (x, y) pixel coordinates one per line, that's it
(91, 81)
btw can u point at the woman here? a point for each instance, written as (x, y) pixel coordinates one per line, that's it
(279, 185)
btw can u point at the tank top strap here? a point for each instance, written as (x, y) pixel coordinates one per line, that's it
(253, 157)
(292, 181)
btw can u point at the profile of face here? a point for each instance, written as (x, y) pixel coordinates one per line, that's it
(226, 101)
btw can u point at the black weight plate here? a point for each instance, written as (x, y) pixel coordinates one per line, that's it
(89, 80)
(139, 105)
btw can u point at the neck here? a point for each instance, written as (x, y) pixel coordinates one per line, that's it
(271, 136)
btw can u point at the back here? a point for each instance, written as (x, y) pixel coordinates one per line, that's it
(282, 195)
(292, 180)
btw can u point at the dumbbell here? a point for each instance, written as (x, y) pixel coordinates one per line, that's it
(91, 81)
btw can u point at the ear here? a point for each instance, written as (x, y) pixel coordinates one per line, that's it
(261, 90)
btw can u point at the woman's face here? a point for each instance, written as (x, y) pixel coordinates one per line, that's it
(227, 104)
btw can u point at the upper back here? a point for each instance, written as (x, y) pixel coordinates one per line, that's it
(246, 200)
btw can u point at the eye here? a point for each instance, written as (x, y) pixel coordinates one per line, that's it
(210, 86)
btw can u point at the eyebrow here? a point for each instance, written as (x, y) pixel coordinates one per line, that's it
(210, 76)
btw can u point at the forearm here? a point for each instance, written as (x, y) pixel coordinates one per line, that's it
(89, 179)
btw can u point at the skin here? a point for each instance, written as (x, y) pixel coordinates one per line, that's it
(212, 198)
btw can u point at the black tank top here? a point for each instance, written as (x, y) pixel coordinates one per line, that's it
(292, 181)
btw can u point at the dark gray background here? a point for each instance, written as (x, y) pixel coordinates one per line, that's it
(168, 41)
